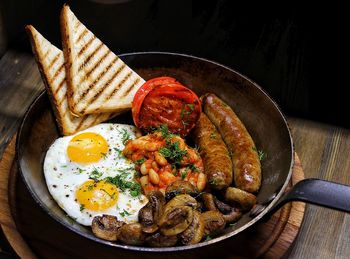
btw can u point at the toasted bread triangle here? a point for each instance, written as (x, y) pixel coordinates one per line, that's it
(98, 80)
(50, 61)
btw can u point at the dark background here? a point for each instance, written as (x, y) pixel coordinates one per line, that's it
(298, 53)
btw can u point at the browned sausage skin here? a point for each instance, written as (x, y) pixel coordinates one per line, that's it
(245, 159)
(215, 155)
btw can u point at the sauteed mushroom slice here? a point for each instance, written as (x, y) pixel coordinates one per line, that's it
(106, 227)
(239, 197)
(157, 200)
(230, 214)
(182, 200)
(195, 232)
(131, 234)
(146, 219)
(214, 222)
(149, 215)
(175, 220)
(180, 187)
(160, 240)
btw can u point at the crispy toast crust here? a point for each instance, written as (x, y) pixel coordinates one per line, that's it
(67, 57)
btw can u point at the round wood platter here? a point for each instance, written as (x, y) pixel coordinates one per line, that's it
(32, 233)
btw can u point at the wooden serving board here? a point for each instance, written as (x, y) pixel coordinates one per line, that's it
(32, 233)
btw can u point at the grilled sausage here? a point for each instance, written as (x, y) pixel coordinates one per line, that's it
(215, 155)
(245, 159)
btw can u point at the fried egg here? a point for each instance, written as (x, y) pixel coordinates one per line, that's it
(87, 174)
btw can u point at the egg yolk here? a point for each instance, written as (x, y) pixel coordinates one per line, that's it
(97, 196)
(87, 147)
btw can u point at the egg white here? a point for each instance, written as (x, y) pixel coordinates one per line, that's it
(64, 177)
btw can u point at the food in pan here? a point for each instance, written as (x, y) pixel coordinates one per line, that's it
(215, 155)
(163, 100)
(246, 163)
(185, 172)
(162, 158)
(87, 175)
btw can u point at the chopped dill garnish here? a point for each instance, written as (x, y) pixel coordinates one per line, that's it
(173, 152)
(125, 136)
(140, 161)
(120, 181)
(261, 154)
(124, 213)
(194, 168)
(95, 174)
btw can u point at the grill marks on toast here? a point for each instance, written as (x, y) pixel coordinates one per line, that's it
(53, 61)
(46, 53)
(99, 62)
(81, 51)
(60, 85)
(91, 86)
(110, 80)
(133, 85)
(80, 37)
(87, 59)
(58, 71)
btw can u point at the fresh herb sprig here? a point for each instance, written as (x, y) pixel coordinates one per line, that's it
(261, 154)
(121, 181)
(173, 152)
(95, 174)
(125, 136)
(140, 161)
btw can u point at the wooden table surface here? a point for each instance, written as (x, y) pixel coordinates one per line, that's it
(323, 151)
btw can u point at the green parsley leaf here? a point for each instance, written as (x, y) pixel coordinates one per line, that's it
(82, 207)
(184, 173)
(120, 181)
(165, 131)
(262, 155)
(173, 152)
(213, 135)
(194, 168)
(140, 161)
(95, 174)
(80, 171)
(125, 136)
(124, 213)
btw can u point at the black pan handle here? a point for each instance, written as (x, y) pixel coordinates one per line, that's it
(315, 191)
(319, 192)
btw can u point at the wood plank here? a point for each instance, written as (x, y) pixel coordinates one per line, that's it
(20, 82)
(323, 151)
